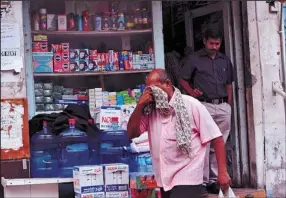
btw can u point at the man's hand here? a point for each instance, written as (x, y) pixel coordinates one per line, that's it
(146, 98)
(196, 93)
(224, 180)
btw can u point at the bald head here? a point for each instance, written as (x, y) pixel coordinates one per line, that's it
(157, 75)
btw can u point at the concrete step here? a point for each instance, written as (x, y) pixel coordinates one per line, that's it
(243, 192)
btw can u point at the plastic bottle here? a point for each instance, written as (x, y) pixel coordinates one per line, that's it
(44, 156)
(43, 19)
(145, 19)
(74, 149)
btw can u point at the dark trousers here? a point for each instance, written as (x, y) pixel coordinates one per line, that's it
(185, 191)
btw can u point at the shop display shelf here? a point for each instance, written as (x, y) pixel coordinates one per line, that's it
(92, 73)
(94, 33)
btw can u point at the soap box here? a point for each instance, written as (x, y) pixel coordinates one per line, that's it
(42, 62)
(89, 180)
(116, 177)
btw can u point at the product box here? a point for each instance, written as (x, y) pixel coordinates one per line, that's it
(83, 65)
(93, 54)
(56, 48)
(116, 177)
(42, 62)
(40, 38)
(92, 65)
(144, 193)
(51, 22)
(74, 54)
(83, 54)
(62, 22)
(65, 61)
(57, 62)
(115, 61)
(40, 46)
(74, 65)
(89, 180)
(142, 181)
(65, 48)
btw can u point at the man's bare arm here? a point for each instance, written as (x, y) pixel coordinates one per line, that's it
(223, 177)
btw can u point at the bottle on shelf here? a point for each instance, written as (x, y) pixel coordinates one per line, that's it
(43, 19)
(145, 19)
(138, 19)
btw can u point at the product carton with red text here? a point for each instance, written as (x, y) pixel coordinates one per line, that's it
(89, 179)
(116, 177)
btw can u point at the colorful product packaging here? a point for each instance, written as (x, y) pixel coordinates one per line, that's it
(62, 22)
(143, 193)
(40, 46)
(142, 181)
(42, 62)
(51, 22)
(58, 62)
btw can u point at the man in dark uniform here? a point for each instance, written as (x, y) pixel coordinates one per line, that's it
(208, 75)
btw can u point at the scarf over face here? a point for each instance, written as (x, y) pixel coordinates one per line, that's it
(183, 122)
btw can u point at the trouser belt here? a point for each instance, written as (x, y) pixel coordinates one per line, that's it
(214, 101)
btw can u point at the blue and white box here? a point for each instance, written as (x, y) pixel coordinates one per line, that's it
(116, 177)
(88, 180)
(42, 62)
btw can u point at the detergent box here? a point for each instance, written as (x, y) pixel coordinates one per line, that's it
(88, 180)
(42, 62)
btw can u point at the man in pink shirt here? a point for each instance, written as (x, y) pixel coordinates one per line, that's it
(179, 128)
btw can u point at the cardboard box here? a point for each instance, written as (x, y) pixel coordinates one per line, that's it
(146, 193)
(83, 54)
(142, 181)
(116, 177)
(58, 62)
(42, 62)
(74, 65)
(93, 54)
(52, 22)
(40, 46)
(56, 48)
(89, 180)
(92, 65)
(65, 48)
(62, 22)
(74, 54)
(40, 38)
(83, 66)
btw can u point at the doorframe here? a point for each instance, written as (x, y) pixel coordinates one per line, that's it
(234, 50)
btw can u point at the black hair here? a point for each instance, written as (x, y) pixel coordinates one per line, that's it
(212, 32)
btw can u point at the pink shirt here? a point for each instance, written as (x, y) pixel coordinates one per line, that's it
(170, 165)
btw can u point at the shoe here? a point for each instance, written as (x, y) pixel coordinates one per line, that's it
(213, 188)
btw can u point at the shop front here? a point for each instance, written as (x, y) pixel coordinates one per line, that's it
(87, 57)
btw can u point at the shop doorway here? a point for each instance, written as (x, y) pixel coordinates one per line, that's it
(184, 24)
